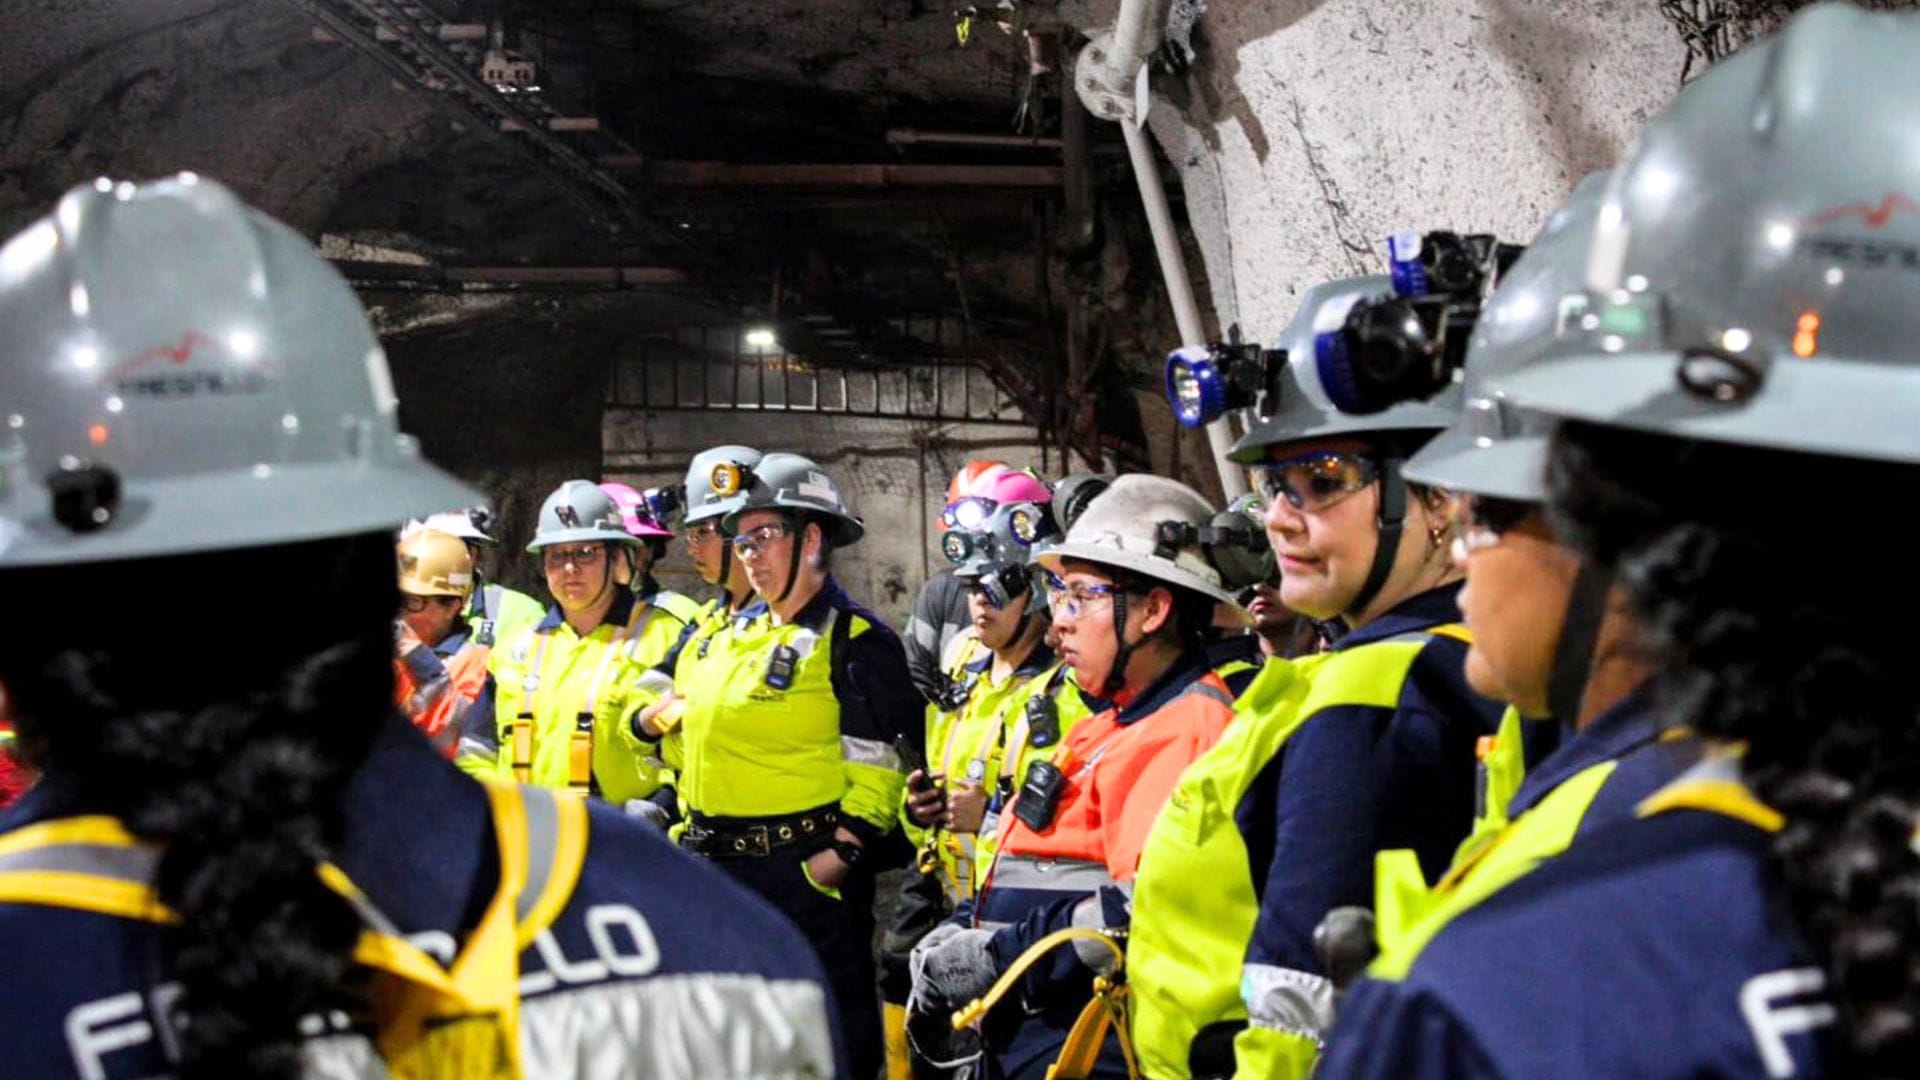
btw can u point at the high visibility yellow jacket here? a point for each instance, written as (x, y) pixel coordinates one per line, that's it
(965, 745)
(786, 718)
(1039, 717)
(563, 703)
(498, 614)
(1331, 758)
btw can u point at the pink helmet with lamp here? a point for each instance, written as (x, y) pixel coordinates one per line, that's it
(635, 514)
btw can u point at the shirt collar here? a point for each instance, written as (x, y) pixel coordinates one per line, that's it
(1190, 666)
(1629, 724)
(1421, 611)
(618, 614)
(455, 640)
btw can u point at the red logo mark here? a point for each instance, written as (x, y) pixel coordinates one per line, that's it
(1874, 216)
(179, 354)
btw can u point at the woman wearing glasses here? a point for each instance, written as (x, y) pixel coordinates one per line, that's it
(1366, 747)
(791, 711)
(1739, 382)
(565, 690)
(440, 670)
(1133, 595)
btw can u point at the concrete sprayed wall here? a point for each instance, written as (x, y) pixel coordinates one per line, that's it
(894, 472)
(1307, 130)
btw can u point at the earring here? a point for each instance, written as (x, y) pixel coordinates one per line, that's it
(1437, 536)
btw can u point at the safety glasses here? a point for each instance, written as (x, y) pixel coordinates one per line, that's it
(1317, 481)
(1074, 600)
(585, 557)
(968, 513)
(702, 534)
(748, 543)
(1480, 521)
(417, 604)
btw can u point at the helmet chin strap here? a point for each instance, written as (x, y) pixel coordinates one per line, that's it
(799, 522)
(1391, 522)
(1573, 653)
(1117, 671)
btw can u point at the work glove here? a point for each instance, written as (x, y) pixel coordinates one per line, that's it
(650, 812)
(951, 966)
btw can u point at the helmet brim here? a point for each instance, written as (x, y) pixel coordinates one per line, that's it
(582, 536)
(1642, 391)
(1510, 467)
(231, 509)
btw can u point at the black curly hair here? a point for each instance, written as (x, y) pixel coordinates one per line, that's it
(143, 694)
(1809, 664)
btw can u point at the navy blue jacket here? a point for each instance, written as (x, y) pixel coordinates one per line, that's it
(419, 842)
(1657, 946)
(1356, 780)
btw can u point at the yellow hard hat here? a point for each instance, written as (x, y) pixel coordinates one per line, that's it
(433, 563)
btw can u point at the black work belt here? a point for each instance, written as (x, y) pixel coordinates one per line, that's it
(730, 838)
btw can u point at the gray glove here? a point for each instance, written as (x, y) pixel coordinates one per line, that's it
(650, 812)
(951, 966)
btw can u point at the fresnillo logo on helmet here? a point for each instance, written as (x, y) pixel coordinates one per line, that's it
(182, 369)
(1868, 252)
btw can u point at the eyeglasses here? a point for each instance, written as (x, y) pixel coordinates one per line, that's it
(1318, 481)
(1481, 521)
(582, 558)
(968, 513)
(417, 604)
(748, 543)
(1073, 600)
(702, 534)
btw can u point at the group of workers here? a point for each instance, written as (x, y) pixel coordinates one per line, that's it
(1522, 726)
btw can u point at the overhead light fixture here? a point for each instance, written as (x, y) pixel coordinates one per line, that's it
(761, 337)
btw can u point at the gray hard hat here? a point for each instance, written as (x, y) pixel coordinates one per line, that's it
(1752, 270)
(703, 501)
(1305, 410)
(1121, 529)
(579, 512)
(783, 481)
(465, 524)
(1495, 447)
(180, 373)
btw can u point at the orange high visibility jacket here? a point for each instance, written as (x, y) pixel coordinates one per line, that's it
(434, 685)
(1118, 768)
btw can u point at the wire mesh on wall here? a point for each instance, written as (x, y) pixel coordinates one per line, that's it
(716, 368)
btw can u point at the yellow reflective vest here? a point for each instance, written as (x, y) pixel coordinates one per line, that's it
(563, 703)
(766, 731)
(1194, 901)
(965, 745)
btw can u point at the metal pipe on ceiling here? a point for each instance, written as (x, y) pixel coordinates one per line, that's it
(484, 278)
(1110, 76)
(810, 174)
(918, 136)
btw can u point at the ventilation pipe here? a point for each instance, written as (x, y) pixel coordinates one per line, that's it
(1111, 77)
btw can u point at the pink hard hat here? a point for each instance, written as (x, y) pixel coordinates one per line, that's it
(1010, 485)
(634, 512)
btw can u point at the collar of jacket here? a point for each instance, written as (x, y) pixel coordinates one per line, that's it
(1631, 723)
(1420, 611)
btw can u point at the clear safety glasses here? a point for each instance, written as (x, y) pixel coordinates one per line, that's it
(1073, 600)
(1480, 521)
(1317, 481)
(748, 543)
